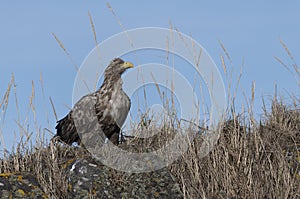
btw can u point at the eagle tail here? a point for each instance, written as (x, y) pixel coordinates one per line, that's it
(66, 130)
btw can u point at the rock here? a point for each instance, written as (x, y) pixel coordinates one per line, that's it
(89, 178)
(20, 185)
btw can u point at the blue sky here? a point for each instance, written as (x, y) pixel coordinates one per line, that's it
(251, 32)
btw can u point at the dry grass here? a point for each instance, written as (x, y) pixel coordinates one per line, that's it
(260, 161)
(248, 162)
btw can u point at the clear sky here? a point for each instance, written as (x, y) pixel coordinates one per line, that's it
(250, 31)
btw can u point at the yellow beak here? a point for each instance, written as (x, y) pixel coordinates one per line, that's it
(128, 65)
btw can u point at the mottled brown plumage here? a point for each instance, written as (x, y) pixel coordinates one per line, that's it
(108, 106)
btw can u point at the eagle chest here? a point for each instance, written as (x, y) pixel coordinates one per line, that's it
(115, 106)
(120, 105)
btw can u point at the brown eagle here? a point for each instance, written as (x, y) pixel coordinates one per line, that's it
(110, 105)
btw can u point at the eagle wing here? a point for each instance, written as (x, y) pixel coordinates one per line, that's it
(67, 127)
(93, 114)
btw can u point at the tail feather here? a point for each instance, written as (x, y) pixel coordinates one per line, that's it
(66, 130)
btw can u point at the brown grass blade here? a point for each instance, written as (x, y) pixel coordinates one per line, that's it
(225, 51)
(5, 99)
(93, 28)
(120, 23)
(66, 52)
(70, 58)
(53, 109)
(157, 87)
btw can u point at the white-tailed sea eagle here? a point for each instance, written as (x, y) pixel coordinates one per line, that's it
(111, 106)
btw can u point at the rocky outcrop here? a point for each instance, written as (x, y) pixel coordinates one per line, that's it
(88, 178)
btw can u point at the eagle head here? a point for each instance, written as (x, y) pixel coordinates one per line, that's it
(117, 67)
